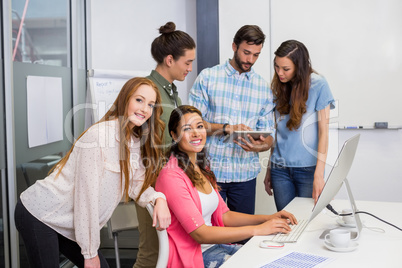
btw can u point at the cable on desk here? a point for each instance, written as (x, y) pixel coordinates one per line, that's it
(361, 212)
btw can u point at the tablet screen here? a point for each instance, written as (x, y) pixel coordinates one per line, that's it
(255, 134)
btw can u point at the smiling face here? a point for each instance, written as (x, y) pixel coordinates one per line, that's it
(245, 56)
(180, 68)
(190, 134)
(285, 69)
(140, 105)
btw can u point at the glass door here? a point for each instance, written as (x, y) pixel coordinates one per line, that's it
(4, 258)
(42, 38)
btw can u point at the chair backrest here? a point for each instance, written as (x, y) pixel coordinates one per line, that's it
(163, 256)
(124, 217)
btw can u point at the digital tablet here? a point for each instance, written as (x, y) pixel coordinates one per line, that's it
(254, 134)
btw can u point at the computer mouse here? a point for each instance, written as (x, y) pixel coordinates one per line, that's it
(271, 244)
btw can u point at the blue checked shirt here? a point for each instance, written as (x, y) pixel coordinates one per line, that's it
(225, 96)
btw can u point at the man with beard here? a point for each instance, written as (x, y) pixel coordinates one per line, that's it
(232, 97)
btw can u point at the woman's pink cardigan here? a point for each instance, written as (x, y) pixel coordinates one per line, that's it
(185, 207)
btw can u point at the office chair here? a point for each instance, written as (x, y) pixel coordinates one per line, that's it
(125, 218)
(163, 255)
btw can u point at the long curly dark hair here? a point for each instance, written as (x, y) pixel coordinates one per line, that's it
(291, 97)
(182, 158)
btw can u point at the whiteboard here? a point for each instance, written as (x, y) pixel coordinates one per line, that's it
(103, 88)
(356, 45)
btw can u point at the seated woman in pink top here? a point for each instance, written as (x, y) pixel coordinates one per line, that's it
(201, 223)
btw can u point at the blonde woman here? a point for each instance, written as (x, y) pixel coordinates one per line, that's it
(64, 212)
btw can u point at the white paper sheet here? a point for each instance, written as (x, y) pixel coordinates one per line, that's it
(298, 260)
(45, 110)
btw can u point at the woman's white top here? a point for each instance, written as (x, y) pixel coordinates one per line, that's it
(209, 203)
(79, 202)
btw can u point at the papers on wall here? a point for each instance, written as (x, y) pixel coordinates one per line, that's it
(45, 110)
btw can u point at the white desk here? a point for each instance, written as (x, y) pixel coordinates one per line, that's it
(375, 249)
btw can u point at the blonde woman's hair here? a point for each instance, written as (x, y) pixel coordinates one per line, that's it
(150, 135)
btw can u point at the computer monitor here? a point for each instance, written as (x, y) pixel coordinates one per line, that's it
(335, 180)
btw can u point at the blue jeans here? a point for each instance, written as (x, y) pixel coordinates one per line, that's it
(289, 182)
(240, 195)
(216, 255)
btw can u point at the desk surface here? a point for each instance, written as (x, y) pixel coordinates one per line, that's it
(376, 249)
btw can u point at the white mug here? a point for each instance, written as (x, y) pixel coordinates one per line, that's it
(339, 238)
(348, 219)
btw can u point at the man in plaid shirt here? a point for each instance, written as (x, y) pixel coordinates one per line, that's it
(232, 97)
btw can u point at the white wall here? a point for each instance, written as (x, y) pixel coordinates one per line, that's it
(235, 14)
(121, 32)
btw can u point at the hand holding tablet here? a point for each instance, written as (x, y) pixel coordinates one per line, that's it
(244, 134)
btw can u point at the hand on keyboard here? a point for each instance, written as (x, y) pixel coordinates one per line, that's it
(292, 236)
(286, 215)
(273, 226)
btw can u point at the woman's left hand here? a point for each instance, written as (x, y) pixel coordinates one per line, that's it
(286, 215)
(161, 215)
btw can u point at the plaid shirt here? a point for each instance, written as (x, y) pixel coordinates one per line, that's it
(225, 96)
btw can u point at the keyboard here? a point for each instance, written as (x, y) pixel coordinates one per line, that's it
(293, 235)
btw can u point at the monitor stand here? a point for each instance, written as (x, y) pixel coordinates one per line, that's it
(355, 233)
(359, 225)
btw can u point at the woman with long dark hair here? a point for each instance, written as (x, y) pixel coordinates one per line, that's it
(202, 225)
(303, 100)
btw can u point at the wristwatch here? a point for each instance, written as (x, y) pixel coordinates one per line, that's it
(224, 129)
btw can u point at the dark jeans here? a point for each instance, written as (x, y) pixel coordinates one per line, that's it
(44, 245)
(240, 195)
